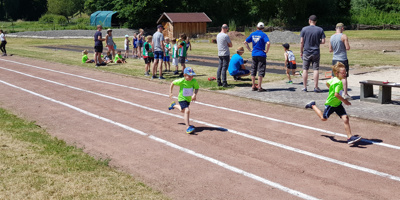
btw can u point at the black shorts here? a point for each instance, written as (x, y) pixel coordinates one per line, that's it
(340, 111)
(98, 49)
(291, 65)
(184, 104)
(148, 60)
(259, 65)
(182, 60)
(345, 63)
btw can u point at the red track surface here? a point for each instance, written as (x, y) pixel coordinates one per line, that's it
(249, 159)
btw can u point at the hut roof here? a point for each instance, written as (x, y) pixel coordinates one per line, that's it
(184, 17)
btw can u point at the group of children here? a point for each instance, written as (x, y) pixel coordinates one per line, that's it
(104, 59)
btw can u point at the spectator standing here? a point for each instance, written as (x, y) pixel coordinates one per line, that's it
(110, 42)
(158, 49)
(223, 43)
(259, 55)
(311, 38)
(339, 45)
(98, 45)
(3, 43)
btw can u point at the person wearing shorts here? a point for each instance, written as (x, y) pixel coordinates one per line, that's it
(312, 37)
(259, 55)
(98, 46)
(174, 55)
(236, 65)
(148, 55)
(158, 49)
(290, 62)
(182, 52)
(339, 45)
(110, 42)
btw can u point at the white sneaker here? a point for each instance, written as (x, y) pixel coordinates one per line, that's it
(347, 97)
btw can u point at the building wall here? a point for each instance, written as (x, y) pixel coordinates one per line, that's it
(190, 28)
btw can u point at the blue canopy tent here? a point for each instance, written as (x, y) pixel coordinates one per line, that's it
(103, 18)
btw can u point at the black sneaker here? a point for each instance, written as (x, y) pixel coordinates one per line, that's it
(225, 85)
(219, 84)
(176, 72)
(310, 104)
(181, 75)
(235, 78)
(353, 139)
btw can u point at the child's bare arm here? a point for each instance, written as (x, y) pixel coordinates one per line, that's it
(327, 85)
(195, 94)
(170, 90)
(337, 95)
(286, 58)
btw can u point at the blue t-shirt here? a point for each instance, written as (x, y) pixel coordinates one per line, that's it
(235, 64)
(259, 40)
(97, 42)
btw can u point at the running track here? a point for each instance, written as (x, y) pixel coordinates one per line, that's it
(243, 149)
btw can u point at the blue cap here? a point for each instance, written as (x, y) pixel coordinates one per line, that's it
(189, 71)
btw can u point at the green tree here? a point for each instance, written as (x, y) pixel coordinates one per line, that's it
(65, 8)
(22, 9)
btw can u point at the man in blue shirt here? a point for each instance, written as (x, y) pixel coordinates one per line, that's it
(236, 65)
(259, 55)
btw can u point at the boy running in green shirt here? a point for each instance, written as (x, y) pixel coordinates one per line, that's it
(187, 93)
(334, 101)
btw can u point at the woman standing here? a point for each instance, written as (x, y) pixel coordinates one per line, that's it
(110, 42)
(3, 43)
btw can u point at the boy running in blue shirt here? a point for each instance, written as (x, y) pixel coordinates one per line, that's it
(334, 101)
(187, 93)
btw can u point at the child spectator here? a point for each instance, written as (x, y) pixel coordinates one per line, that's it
(126, 44)
(135, 45)
(166, 57)
(118, 58)
(334, 101)
(140, 43)
(186, 95)
(85, 58)
(290, 62)
(236, 65)
(108, 58)
(182, 52)
(188, 47)
(148, 55)
(110, 42)
(175, 55)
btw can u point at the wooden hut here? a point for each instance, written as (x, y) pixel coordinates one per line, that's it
(189, 23)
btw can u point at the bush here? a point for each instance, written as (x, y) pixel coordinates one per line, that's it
(232, 25)
(51, 18)
(372, 16)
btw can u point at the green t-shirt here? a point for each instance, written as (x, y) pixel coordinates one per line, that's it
(117, 57)
(167, 47)
(145, 52)
(182, 49)
(84, 58)
(336, 86)
(187, 88)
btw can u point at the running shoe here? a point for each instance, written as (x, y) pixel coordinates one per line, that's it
(353, 139)
(301, 73)
(186, 60)
(317, 90)
(161, 77)
(176, 72)
(171, 106)
(261, 90)
(147, 74)
(347, 97)
(304, 90)
(154, 77)
(190, 130)
(310, 104)
(289, 82)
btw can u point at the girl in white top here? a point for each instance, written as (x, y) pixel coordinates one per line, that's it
(126, 44)
(110, 42)
(3, 43)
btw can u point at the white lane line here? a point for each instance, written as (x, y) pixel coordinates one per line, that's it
(331, 160)
(213, 106)
(191, 152)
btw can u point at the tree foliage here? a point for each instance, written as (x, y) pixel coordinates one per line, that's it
(22, 9)
(65, 8)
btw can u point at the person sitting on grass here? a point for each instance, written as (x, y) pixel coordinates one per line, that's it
(334, 101)
(85, 58)
(118, 58)
(187, 93)
(236, 65)
(290, 62)
(108, 58)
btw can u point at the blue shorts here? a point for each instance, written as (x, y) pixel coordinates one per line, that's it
(338, 110)
(166, 58)
(135, 45)
(158, 55)
(184, 104)
(241, 72)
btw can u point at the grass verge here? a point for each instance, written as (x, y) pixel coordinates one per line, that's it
(34, 165)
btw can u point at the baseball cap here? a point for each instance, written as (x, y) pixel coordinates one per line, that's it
(260, 25)
(313, 18)
(160, 26)
(339, 25)
(189, 71)
(286, 45)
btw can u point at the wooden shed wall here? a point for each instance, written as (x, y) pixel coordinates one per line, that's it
(190, 28)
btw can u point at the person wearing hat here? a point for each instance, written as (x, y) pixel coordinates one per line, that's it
(311, 38)
(223, 43)
(159, 51)
(236, 65)
(339, 45)
(259, 55)
(290, 62)
(110, 42)
(189, 87)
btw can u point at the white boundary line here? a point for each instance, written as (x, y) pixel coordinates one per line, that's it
(213, 106)
(188, 151)
(324, 158)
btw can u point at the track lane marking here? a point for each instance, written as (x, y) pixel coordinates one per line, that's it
(213, 106)
(175, 146)
(324, 158)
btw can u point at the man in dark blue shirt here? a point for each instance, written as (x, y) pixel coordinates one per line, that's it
(98, 45)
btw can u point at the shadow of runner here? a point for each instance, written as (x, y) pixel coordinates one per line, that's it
(360, 144)
(203, 128)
